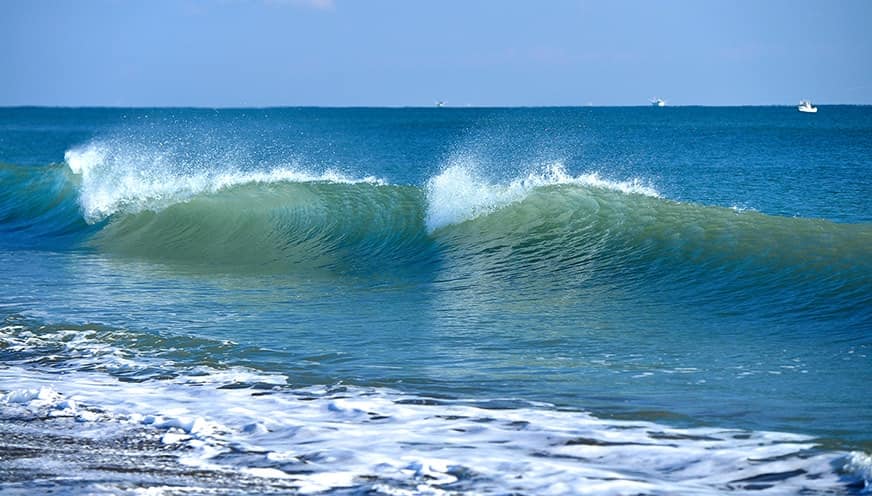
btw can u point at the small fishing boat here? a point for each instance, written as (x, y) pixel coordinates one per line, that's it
(658, 102)
(806, 106)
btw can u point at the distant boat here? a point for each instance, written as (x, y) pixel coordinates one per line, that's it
(440, 103)
(806, 106)
(658, 102)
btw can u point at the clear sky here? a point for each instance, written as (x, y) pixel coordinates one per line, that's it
(410, 52)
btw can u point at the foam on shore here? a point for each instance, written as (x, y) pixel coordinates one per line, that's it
(325, 438)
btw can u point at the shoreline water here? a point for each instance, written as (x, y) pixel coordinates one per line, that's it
(342, 439)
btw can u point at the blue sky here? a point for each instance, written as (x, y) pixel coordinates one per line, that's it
(398, 53)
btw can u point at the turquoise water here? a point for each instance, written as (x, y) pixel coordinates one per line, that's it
(696, 271)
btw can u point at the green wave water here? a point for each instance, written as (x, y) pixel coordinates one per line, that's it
(288, 222)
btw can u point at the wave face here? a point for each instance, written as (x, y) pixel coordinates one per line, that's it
(39, 204)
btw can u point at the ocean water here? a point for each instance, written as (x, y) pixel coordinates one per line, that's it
(436, 301)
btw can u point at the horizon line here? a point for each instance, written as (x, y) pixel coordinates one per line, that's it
(433, 106)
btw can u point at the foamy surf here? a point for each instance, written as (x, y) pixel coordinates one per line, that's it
(330, 438)
(325, 439)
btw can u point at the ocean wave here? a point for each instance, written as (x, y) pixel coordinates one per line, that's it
(121, 201)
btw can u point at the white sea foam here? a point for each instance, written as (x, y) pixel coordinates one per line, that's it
(34, 397)
(860, 465)
(127, 178)
(459, 193)
(323, 438)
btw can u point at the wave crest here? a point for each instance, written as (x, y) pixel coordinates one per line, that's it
(129, 179)
(459, 193)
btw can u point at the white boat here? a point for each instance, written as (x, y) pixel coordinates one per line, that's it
(806, 106)
(440, 103)
(658, 102)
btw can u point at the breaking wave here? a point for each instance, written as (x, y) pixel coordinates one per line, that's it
(143, 203)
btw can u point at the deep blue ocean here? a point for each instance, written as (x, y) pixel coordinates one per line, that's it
(375, 301)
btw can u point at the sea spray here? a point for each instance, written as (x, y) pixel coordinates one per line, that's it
(130, 179)
(459, 193)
